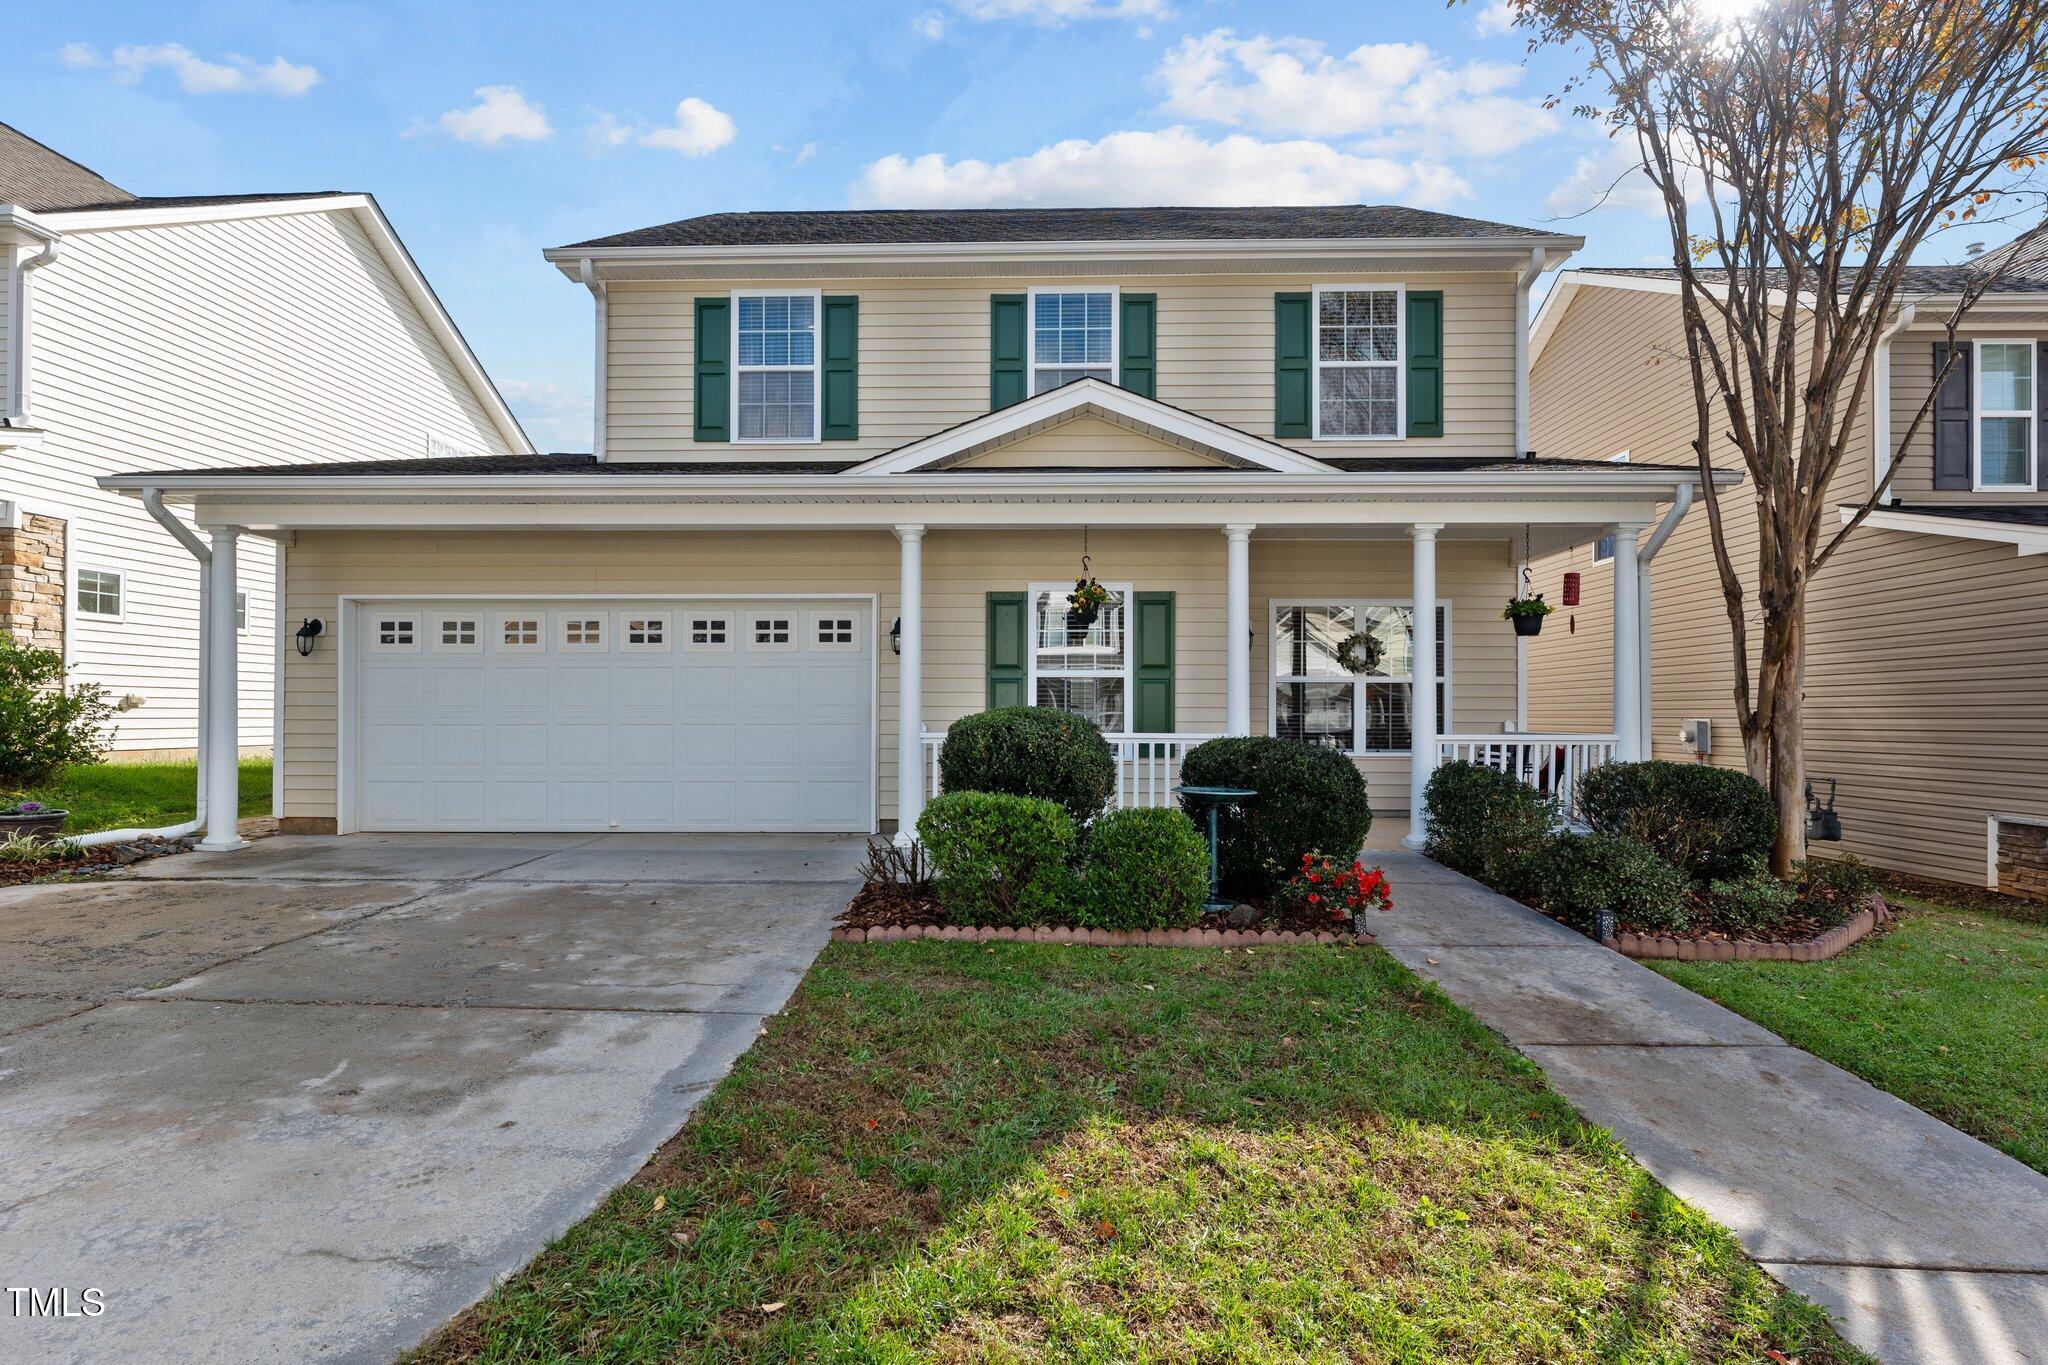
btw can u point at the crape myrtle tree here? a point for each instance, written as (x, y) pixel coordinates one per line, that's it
(1804, 151)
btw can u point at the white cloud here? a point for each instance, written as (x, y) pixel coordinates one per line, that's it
(557, 417)
(604, 130)
(1053, 13)
(1492, 20)
(1613, 178)
(930, 25)
(699, 130)
(232, 74)
(1401, 94)
(501, 114)
(1170, 166)
(805, 153)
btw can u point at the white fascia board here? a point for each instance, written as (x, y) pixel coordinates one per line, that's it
(21, 227)
(1073, 398)
(2027, 540)
(110, 219)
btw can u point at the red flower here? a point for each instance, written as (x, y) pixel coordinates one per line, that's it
(1314, 899)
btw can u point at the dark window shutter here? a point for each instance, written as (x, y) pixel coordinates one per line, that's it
(1426, 363)
(1152, 663)
(1008, 640)
(1137, 362)
(1007, 382)
(713, 392)
(840, 356)
(1293, 335)
(1952, 420)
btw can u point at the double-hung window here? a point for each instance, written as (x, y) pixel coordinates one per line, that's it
(1083, 669)
(1073, 336)
(1358, 362)
(2005, 436)
(1319, 701)
(775, 370)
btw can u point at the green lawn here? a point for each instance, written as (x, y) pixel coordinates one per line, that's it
(1948, 1011)
(1008, 1152)
(141, 795)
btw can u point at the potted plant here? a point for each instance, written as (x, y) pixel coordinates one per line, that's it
(30, 820)
(1085, 603)
(1527, 614)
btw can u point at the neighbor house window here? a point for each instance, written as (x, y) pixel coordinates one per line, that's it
(242, 612)
(1086, 670)
(1358, 363)
(775, 348)
(99, 593)
(1073, 336)
(2005, 414)
(1319, 701)
(1603, 549)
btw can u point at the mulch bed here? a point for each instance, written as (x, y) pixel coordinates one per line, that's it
(878, 907)
(16, 874)
(1718, 947)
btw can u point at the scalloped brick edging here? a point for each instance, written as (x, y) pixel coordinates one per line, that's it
(1818, 949)
(1108, 938)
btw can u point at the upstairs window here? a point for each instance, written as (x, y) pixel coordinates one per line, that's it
(1358, 363)
(775, 347)
(2005, 415)
(1073, 336)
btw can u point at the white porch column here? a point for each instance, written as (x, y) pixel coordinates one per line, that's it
(1237, 633)
(1646, 678)
(1422, 668)
(1628, 630)
(910, 686)
(223, 688)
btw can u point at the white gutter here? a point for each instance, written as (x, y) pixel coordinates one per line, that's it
(14, 411)
(1522, 283)
(1680, 505)
(587, 271)
(1881, 403)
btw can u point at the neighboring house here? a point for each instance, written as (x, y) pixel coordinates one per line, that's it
(849, 466)
(181, 332)
(1924, 692)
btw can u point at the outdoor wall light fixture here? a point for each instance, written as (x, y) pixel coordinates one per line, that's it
(896, 637)
(309, 630)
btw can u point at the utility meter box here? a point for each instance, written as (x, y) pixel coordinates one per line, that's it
(1698, 736)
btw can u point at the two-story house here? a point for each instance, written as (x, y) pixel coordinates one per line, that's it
(849, 468)
(1923, 694)
(183, 332)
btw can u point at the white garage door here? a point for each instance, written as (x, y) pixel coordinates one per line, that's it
(508, 715)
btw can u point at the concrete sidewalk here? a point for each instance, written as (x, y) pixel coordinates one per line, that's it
(1926, 1244)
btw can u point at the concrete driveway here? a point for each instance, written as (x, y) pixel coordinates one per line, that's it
(306, 1101)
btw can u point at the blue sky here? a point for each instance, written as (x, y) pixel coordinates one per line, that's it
(491, 131)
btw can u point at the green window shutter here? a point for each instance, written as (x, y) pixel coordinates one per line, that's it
(713, 392)
(1008, 639)
(840, 356)
(1007, 382)
(1293, 336)
(1152, 663)
(1426, 363)
(1137, 362)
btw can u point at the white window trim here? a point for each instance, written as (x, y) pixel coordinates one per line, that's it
(244, 611)
(793, 620)
(816, 367)
(120, 593)
(1358, 605)
(1599, 558)
(604, 632)
(622, 626)
(1978, 413)
(1031, 673)
(500, 619)
(813, 620)
(442, 620)
(1116, 331)
(419, 631)
(1316, 362)
(686, 623)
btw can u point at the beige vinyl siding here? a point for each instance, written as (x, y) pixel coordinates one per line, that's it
(961, 568)
(1088, 442)
(1923, 694)
(924, 360)
(271, 340)
(1912, 374)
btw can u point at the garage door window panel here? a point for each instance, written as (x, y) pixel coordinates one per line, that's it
(458, 635)
(644, 632)
(581, 632)
(395, 633)
(519, 634)
(708, 631)
(772, 632)
(835, 632)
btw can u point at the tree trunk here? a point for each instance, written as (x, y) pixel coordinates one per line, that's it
(1788, 748)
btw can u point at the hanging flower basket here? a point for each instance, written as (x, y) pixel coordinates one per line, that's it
(1085, 603)
(1527, 613)
(1360, 653)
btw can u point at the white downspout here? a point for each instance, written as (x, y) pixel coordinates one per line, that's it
(1681, 503)
(1881, 403)
(587, 270)
(1522, 284)
(16, 412)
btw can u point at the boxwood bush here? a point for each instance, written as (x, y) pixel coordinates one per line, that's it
(1487, 824)
(1143, 869)
(998, 859)
(1711, 823)
(1311, 800)
(1586, 873)
(1030, 751)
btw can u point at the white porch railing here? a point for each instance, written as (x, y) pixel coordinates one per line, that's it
(1147, 766)
(1552, 764)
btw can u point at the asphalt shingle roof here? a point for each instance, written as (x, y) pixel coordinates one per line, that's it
(2010, 514)
(40, 180)
(886, 227)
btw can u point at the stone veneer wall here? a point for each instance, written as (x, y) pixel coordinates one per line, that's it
(32, 581)
(2023, 858)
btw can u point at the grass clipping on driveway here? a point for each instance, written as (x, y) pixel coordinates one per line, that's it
(1009, 1151)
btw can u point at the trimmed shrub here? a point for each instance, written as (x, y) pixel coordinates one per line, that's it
(1488, 825)
(1751, 903)
(43, 724)
(1030, 751)
(1586, 873)
(1143, 869)
(1710, 823)
(997, 859)
(1311, 800)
